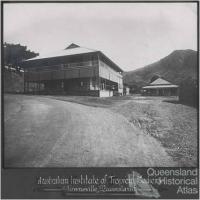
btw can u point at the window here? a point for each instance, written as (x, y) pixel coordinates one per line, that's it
(62, 84)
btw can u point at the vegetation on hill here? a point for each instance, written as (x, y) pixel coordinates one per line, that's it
(15, 53)
(180, 67)
(13, 81)
(13, 76)
(176, 67)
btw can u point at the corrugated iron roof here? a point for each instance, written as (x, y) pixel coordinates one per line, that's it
(64, 52)
(160, 86)
(160, 81)
(74, 49)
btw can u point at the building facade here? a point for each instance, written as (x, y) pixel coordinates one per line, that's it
(73, 71)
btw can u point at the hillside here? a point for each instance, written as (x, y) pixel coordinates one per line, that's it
(13, 82)
(177, 67)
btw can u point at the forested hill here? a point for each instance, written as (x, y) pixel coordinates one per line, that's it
(179, 66)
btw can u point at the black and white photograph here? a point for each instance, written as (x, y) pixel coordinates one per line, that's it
(101, 85)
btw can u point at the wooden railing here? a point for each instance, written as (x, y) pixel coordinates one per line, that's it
(69, 73)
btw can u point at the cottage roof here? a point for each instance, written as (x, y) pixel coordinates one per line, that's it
(160, 86)
(160, 81)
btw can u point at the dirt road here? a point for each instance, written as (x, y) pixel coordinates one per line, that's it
(43, 132)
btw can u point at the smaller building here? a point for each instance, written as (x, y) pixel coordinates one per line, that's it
(160, 87)
(126, 90)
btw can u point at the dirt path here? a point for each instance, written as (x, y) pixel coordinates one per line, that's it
(43, 132)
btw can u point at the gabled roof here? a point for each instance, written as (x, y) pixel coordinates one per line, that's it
(71, 46)
(160, 81)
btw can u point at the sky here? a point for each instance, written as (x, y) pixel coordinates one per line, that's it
(131, 34)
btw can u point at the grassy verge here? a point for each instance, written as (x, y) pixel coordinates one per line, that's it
(174, 125)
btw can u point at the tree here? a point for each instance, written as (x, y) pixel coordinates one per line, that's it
(16, 53)
(189, 92)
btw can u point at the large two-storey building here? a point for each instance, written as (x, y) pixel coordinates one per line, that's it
(73, 71)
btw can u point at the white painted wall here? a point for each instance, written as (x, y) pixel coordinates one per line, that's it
(108, 73)
(106, 93)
